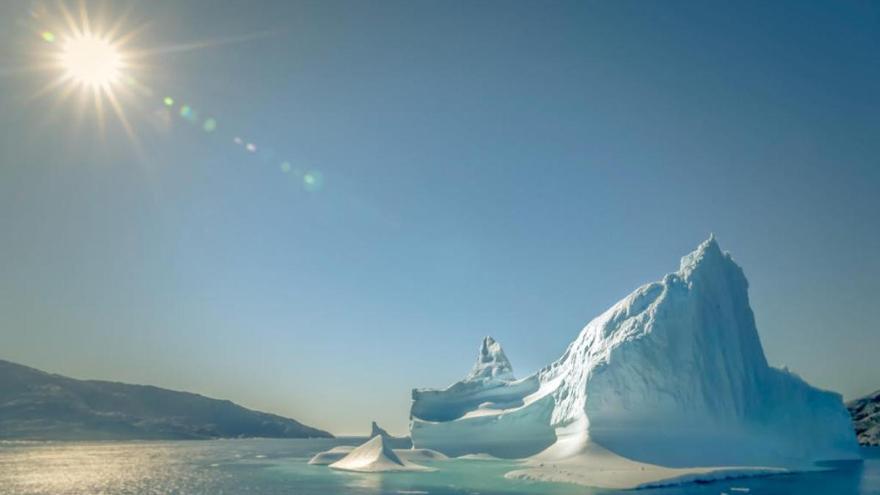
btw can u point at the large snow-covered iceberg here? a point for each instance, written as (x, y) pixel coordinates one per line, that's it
(672, 375)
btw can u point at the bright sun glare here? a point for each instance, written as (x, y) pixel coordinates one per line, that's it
(91, 61)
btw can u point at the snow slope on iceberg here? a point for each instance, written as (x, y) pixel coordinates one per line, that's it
(330, 456)
(672, 375)
(866, 418)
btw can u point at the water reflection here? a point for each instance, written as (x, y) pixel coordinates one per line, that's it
(275, 467)
(100, 468)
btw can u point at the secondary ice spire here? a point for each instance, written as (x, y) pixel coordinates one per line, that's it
(395, 442)
(491, 362)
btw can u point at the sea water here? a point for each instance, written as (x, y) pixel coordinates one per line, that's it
(270, 467)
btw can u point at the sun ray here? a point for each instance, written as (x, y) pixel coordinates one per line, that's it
(48, 87)
(18, 71)
(120, 114)
(123, 40)
(117, 26)
(197, 45)
(72, 25)
(84, 18)
(99, 110)
(132, 136)
(80, 111)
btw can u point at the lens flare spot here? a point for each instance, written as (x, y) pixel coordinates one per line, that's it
(168, 101)
(251, 147)
(189, 114)
(237, 140)
(313, 181)
(48, 36)
(209, 125)
(285, 167)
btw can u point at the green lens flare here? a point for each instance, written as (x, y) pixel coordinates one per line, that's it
(313, 181)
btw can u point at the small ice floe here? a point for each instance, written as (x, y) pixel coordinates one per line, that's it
(740, 489)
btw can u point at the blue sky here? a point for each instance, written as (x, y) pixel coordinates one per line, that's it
(503, 168)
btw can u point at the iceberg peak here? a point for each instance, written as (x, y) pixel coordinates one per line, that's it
(491, 363)
(707, 253)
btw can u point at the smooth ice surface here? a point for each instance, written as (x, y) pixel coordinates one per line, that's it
(672, 376)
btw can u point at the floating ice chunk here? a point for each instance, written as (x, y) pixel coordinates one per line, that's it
(374, 456)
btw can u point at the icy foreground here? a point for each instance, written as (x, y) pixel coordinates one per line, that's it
(672, 376)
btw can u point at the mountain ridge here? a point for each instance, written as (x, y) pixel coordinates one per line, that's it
(37, 405)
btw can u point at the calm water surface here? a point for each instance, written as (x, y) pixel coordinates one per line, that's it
(269, 467)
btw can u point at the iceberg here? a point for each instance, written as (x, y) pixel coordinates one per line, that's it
(375, 456)
(670, 378)
(401, 447)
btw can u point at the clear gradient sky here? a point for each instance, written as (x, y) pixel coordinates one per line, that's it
(503, 168)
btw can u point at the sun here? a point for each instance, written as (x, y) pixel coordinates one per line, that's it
(91, 61)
